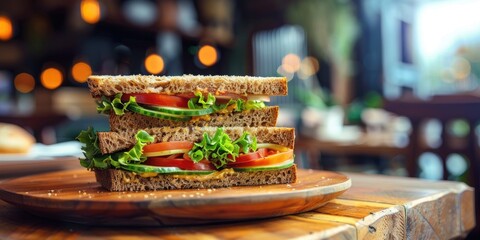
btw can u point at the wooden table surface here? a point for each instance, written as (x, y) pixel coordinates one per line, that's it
(375, 207)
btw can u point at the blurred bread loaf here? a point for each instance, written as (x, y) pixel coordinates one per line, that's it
(14, 139)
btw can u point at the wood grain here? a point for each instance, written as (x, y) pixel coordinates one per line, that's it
(20, 225)
(376, 207)
(75, 196)
(371, 220)
(429, 206)
(467, 205)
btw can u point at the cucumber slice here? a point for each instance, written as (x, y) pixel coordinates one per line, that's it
(140, 168)
(156, 114)
(283, 165)
(182, 111)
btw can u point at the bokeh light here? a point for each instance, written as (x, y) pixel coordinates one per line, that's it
(308, 67)
(51, 78)
(81, 71)
(461, 68)
(140, 12)
(287, 73)
(24, 82)
(6, 28)
(456, 164)
(292, 61)
(154, 64)
(207, 55)
(90, 11)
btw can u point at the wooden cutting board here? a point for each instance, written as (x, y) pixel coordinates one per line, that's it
(75, 196)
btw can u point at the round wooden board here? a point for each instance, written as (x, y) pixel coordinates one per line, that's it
(75, 196)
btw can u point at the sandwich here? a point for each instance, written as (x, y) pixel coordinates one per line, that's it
(188, 132)
(223, 101)
(197, 157)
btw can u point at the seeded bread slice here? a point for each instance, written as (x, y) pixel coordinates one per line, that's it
(120, 180)
(110, 142)
(111, 85)
(266, 117)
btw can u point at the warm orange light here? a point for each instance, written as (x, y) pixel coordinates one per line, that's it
(154, 64)
(51, 78)
(81, 71)
(207, 55)
(308, 67)
(287, 68)
(90, 11)
(313, 62)
(24, 82)
(285, 72)
(6, 29)
(292, 60)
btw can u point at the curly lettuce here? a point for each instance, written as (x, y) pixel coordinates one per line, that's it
(220, 149)
(94, 158)
(200, 101)
(242, 105)
(105, 105)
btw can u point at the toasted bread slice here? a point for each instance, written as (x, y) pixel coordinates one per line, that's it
(266, 117)
(170, 85)
(110, 142)
(120, 180)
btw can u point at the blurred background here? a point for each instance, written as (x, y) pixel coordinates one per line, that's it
(389, 87)
(386, 87)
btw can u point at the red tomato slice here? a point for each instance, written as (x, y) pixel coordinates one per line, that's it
(164, 146)
(158, 99)
(260, 153)
(181, 163)
(265, 161)
(186, 95)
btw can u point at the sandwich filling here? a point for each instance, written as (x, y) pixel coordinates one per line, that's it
(182, 107)
(212, 154)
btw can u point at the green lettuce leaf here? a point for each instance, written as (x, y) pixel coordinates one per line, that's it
(90, 148)
(220, 149)
(241, 105)
(94, 158)
(106, 105)
(246, 142)
(200, 101)
(253, 105)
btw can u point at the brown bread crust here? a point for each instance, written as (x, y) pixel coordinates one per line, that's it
(111, 85)
(110, 142)
(266, 117)
(120, 180)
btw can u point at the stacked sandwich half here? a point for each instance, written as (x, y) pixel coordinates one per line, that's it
(188, 132)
